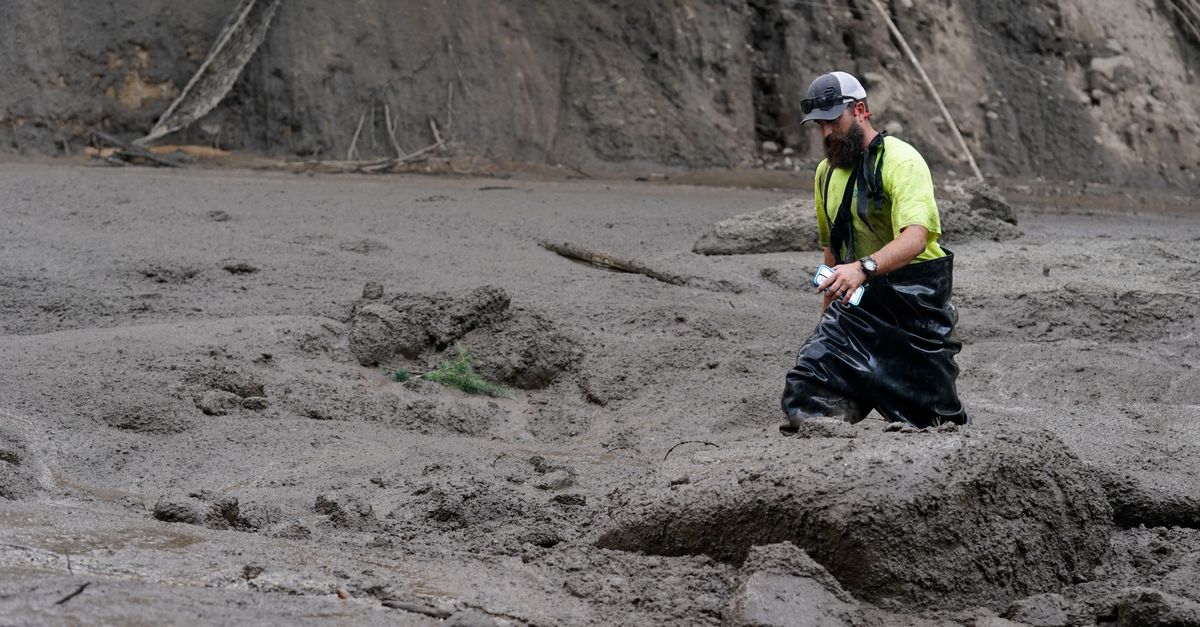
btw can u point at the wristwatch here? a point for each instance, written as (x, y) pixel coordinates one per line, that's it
(869, 267)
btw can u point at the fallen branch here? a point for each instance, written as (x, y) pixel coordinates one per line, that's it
(687, 442)
(606, 260)
(390, 127)
(929, 86)
(612, 262)
(78, 591)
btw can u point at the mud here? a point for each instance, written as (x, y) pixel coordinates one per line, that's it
(301, 485)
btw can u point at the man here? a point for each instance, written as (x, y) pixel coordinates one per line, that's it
(894, 351)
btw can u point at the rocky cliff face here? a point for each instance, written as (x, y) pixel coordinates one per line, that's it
(1089, 90)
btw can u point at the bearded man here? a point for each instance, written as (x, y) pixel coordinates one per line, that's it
(894, 350)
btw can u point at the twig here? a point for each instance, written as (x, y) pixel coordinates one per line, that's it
(437, 137)
(687, 442)
(354, 142)
(391, 130)
(929, 86)
(78, 591)
(450, 108)
(69, 569)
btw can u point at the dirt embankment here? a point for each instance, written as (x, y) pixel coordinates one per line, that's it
(1067, 89)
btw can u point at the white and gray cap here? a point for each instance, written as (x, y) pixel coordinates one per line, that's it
(828, 96)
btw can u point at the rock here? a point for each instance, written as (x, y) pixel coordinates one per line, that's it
(471, 618)
(770, 147)
(986, 200)
(179, 509)
(782, 585)
(1040, 610)
(1145, 607)
(786, 227)
(1015, 513)
(373, 290)
(218, 402)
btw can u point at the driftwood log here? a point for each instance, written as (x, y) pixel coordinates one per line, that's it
(239, 40)
(632, 266)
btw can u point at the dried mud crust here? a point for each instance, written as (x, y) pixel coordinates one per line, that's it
(932, 520)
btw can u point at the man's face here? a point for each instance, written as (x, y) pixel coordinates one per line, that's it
(843, 139)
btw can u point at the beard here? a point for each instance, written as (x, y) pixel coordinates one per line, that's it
(844, 151)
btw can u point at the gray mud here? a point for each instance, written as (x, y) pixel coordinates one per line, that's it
(200, 443)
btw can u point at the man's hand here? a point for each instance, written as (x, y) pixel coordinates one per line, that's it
(841, 284)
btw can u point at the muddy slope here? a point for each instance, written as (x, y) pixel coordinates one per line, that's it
(1066, 89)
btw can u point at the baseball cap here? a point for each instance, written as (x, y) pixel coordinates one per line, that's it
(828, 96)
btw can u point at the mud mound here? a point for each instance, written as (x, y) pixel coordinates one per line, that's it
(514, 347)
(144, 416)
(525, 351)
(781, 583)
(1075, 312)
(409, 324)
(785, 227)
(976, 211)
(931, 520)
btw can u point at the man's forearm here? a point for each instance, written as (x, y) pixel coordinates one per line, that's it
(900, 251)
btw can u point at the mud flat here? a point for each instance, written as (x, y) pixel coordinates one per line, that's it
(198, 420)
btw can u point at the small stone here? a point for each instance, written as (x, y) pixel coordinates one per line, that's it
(252, 571)
(1040, 610)
(372, 291)
(681, 480)
(255, 403)
(770, 147)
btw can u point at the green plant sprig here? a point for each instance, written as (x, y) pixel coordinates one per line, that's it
(458, 373)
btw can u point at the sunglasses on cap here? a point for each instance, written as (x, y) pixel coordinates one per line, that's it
(823, 103)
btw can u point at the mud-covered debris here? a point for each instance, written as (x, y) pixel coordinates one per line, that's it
(1139, 502)
(525, 351)
(790, 226)
(985, 200)
(346, 512)
(127, 414)
(169, 274)
(1022, 514)
(218, 402)
(255, 403)
(177, 508)
(409, 324)
(223, 513)
(782, 585)
(233, 379)
(240, 267)
(18, 474)
(1039, 610)
(1146, 607)
(372, 290)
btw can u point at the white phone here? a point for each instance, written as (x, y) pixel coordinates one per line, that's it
(824, 272)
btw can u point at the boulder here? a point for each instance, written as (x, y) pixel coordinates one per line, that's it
(945, 520)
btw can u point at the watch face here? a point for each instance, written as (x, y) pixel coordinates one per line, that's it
(869, 264)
